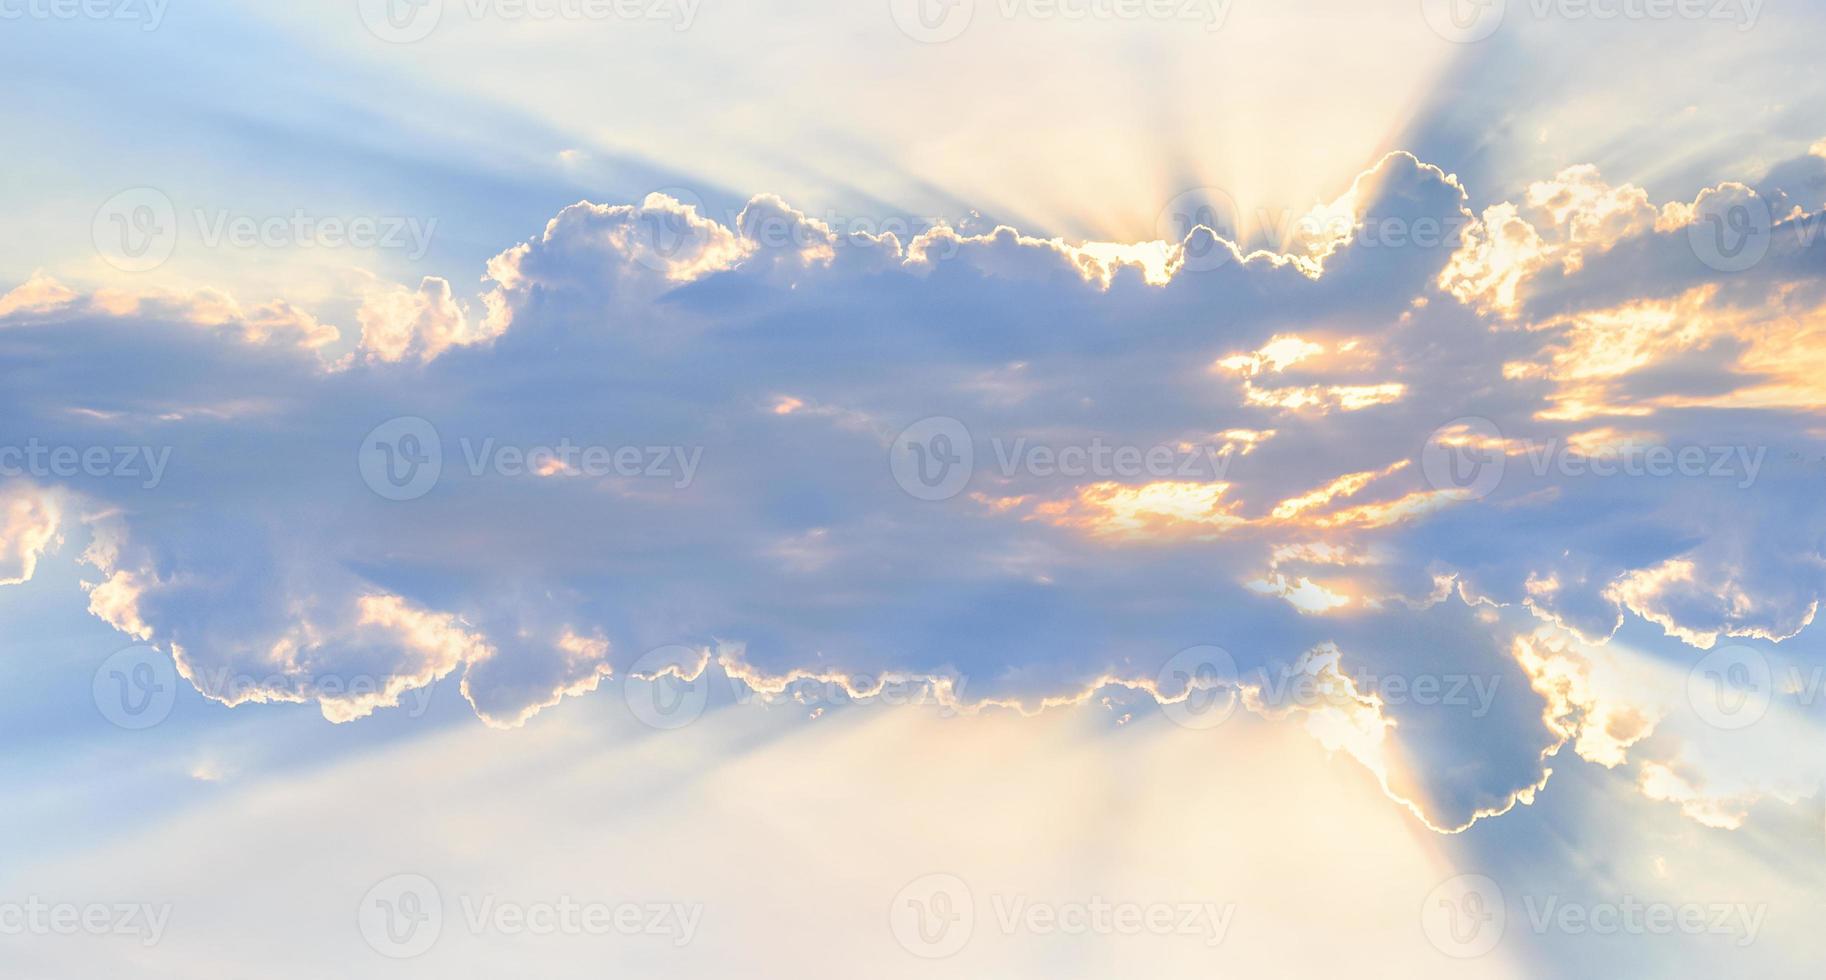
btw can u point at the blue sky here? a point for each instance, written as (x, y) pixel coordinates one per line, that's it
(990, 488)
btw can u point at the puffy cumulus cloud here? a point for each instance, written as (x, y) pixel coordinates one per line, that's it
(335, 641)
(593, 258)
(274, 322)
(1714, 600)
(1278, 356)
(1599, 724)
(399, 323)
(1032, 467)
(30, 522)
(39, 294)
(1557, 224)
(509, 688)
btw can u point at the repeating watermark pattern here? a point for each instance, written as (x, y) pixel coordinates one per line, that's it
(1466, 915)
(934, 458)
(1200, 687)
(1630, 916)
(1732, 687)
(935, 916)
(1211, 208)
(1311, 232)
(404, 916)
(1470, 21)
(236, 687)
(136, 687)
(662, 692)
(1732, 229)
(1468, 457)
(401, 916)
(138, 230)
(670, 687)
(410, 21)
(669, 234)
(141, 921)
(42, 460)
(147, 14)
(938, 21)
(403, 459)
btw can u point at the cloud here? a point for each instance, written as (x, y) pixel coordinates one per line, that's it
(652, 429)
(30, 519)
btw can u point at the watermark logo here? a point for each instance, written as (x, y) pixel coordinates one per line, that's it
(136, 687)
(1731, 687)
(658, 693)
(409, 21)
(934, 916)
(1470, 21)
(1463, 21)
(932, 21)
(135, 230)
(1199, 687)
(1211, 208)
(144, 921)
(932, 459)
(138, 230)
(1464, 458)
(1631, 916)
(402, 917)
(401, 21)
(43, 460)
(1464, 916)
(1731, 232)
(668, 234)
(402, 458)
(149, 14)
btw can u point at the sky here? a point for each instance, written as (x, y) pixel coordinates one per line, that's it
(983, 488)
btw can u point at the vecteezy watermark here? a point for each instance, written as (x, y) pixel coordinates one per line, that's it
(148, 14)
(1208, 208)
(666, 234)
(144, 921)
(1731, 687)
(1200, 686)
(935, 916)
(1469, 21)
(136, 687)
(1630, 916)
(138, 229)
(403, 458)
(1466, 915)
(1310, 234)
(407, 21)
(938, 21)
(235, 687)
(43, 460)
(403, 916)
(1731, 231)
(1467, 458)
(933, 459)
(668, 687)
